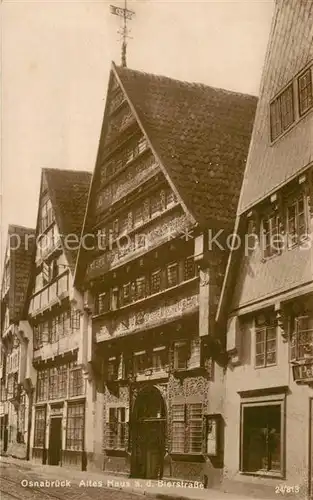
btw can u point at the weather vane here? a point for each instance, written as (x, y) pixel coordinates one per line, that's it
(127, 15)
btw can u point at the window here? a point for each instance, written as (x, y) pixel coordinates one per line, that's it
(262, 438)
(155, 205)
(62, 381)
(103, 303)
(296, 221)
(114, 299)
(76, 386)
(170, 198)
(305, 92)
(54, 330)
(187, 428)
(75, 320)
(265, 341)
(46, 215)
(21, 421)
(138, 216)
(159, 359)
(181, 355)
(42, 385)
(126, 294)
(140, 287)
(53, 383)
(112, 369)
(75, 426)
(282, 112)
(12, 386)
(172, 274)
(189, 268)
(140, 362)
(116, 428)
(156, 281)
(271, 237)
(301, 344)
(40, 428)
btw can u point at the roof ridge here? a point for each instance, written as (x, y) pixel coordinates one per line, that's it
(186, 83)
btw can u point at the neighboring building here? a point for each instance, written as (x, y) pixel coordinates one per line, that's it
(169, 167)
(268, 289)
(16, 371)
(59, 408)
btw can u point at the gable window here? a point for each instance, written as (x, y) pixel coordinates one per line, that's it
(296, 221)
(271, 237)
(262, 437)
(187, 428)
(156, 281)
(265, 340)
(172, 274)
(181, 355)
(282, 112)
(116, 428)
(40, 428)
(46, 215)
(305, 92)
(301, 344)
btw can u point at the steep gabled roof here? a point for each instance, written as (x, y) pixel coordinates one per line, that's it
(290, 49)
(201, 136)
(68, 191)
(21, 241)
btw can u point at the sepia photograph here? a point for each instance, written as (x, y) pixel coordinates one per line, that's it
(156, 250)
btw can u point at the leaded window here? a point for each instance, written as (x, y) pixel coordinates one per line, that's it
(297, 226)
(265, 340)
(156, 281)
(305, 91)
(116, 428)
(301, 343)
(271, 235)
(172, 274)
(76, 386)
(187, 428)
(75, 426)
(42, 385)
(140, 287)
(40, 427)
(282, 112)
(189, 268)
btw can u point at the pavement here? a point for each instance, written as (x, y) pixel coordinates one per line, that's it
(21, 479)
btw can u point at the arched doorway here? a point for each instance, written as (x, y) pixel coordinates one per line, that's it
(148, 434)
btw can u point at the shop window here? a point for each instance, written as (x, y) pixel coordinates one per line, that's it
(301, 343)
(305, 91)
(265, 340)
(187, 428)
(172, 274)
(262, 438)
(116, 428)
(40, 427)
(297, 226)
(75, 426)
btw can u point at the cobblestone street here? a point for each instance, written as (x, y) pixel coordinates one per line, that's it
(23, 480)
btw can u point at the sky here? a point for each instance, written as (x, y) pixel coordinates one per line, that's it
(56, 57)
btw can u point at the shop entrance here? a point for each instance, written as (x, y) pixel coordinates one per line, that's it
(148, 434)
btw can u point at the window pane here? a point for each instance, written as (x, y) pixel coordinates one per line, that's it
(305, 91)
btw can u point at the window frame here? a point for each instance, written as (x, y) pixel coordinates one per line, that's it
(269, 325)
(268, 250)
(294, 202)
(116, 428)
(78, 417)
(302, 111)
(294, 337)
(40, 443)
(183, 421)
(271, 400)
(276, 111)
(181, 344)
